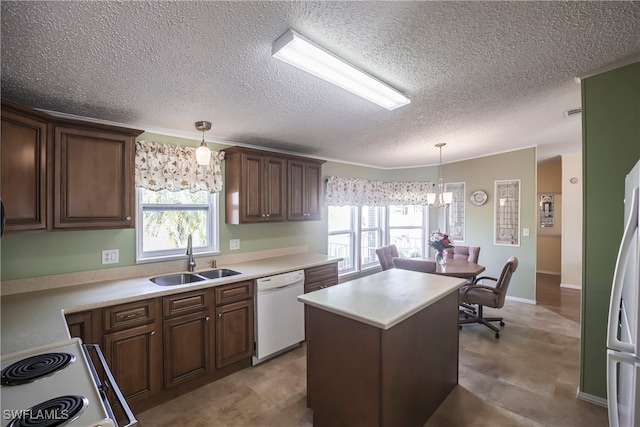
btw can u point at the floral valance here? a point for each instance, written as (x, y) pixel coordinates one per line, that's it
(361, 192)
(174, 168)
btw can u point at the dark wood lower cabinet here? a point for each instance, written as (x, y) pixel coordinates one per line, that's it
(134, 357)
(187, 347)
(234, 332)
(160, 348)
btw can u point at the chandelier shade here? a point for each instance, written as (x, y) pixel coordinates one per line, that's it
(440, 199)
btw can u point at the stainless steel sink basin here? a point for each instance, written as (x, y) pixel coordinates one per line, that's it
(181, 279)
(176, 279)
(218, 273)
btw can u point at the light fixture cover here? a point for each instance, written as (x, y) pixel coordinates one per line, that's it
(301, 52)
(203, 155)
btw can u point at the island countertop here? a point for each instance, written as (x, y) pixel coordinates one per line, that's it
(383, 299)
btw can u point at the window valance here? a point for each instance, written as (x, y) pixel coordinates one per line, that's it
(174, 168)
(360, 192)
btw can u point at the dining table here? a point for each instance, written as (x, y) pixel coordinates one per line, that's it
(459, 268)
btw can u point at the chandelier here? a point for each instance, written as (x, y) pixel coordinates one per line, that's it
(440, 199)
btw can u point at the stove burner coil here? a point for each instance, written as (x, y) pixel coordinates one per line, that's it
(32, 368)
(55, 412)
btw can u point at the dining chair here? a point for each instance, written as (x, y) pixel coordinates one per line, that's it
(385, 255)
(487, 296)
(415, 264)
(470, 253)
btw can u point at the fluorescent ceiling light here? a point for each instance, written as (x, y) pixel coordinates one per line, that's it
(301, 52)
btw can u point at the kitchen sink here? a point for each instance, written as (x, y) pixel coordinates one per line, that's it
(176, 279)
(181, 279)
(218, 273)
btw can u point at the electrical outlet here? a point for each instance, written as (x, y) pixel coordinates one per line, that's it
(525, 232)
(234, 244)
(110, 256)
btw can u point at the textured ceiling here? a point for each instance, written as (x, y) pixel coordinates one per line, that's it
(484, 77)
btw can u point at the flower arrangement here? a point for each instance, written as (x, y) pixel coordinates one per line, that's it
(439, 241)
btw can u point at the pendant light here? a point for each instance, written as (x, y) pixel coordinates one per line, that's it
(440, 199)
(203, 154)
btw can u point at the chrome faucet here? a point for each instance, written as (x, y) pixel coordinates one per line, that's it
(191, 262)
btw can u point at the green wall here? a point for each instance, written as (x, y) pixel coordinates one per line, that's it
(611, 146)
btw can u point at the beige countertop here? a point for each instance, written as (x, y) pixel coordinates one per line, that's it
(383, 299)
(32, 319)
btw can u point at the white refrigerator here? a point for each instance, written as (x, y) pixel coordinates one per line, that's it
(623, 349)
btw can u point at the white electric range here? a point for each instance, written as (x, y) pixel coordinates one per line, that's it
(56, 385)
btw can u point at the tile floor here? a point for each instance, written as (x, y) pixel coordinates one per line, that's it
(529, 377)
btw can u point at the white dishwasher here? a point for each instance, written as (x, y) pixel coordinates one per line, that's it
(279, 316)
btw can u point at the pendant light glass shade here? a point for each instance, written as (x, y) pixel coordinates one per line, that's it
(440, 199)
(203, 154)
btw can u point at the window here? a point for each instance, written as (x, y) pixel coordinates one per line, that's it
(408, 230)
(356, 232)
(342, 236)
(166, 218)
(370, 235)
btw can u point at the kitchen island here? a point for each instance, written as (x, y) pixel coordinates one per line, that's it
(382, 350)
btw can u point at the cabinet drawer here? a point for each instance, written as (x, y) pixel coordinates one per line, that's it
(184, 303)
(127, 315)
(234, 292)
(310, 287)
(322, 273)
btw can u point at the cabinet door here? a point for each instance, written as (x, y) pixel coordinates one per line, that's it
(93, 179)
(304, 191)
(252, 188)
(134, 358)
(80, 326)
(187, 347)
(312, 194)
(24, 173)
(234, 332)
(275, 173)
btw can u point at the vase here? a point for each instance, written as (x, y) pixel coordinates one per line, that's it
(441, 258)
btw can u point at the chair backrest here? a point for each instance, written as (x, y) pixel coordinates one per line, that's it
(421, 265)
(470, 253)
(385, 256)
(503, 281)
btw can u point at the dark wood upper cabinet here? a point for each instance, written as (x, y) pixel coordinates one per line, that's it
(93, 179)
(60, 173)
(255, 187)
(263, 186)
(24, 167)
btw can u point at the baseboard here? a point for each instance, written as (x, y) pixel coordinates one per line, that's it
(522, 300)
(591, 398)
(554, 273)
(570, 286)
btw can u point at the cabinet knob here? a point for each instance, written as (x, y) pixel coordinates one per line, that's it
(152, 333)
(219, 314)
(268, 215)
(206, 318)
(128, 218)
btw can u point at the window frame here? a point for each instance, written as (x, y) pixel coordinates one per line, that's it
(213, 233)
(352, 240)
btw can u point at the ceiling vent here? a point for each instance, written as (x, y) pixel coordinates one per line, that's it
(572, 112)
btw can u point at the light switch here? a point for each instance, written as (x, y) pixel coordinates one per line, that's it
(234, 244)
(525, 232)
